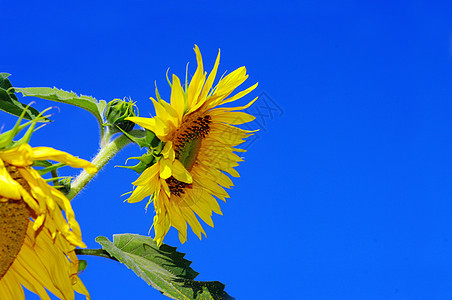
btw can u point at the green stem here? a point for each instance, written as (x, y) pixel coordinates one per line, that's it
(55, 177)
(105, 135)
(105, 154)
(102, 135)
(94, 252)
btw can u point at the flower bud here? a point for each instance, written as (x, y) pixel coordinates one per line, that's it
(115, 113)
(64, 185)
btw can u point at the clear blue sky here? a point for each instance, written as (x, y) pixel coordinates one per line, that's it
(346, 193)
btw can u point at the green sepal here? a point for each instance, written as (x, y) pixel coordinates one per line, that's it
(148, 140)
(152, 156)
(162, 267)
(82, 264)
(157, 94)
(7, 138)
(146, 160)
(10, 104)
(47, 166)
(41, 163)
(64, 185)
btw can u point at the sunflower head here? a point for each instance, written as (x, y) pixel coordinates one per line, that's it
(38, 230)
(199, 140)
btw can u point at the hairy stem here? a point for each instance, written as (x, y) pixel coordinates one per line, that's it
(106, 153)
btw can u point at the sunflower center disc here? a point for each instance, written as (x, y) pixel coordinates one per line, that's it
(187, 142)
(188, 137)
(14, 218)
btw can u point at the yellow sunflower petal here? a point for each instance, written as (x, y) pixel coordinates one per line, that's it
(20, 156)
(198, 207)
(238, 96)
(177, 97)
(39, 190)
(207, 198)
(180, 173)
(229, 83)
(74, 235)
(9, 188)
(225, 168)
(165, 187)
(80, 288)
(160, 110)
(197, 81)
(165, 168)
(168, 151)
(161, 225)
(234, 117)
(30, 260)
(190, 217)
(227, 139)
(148, 123)
(6, 288)
(140, 193)
(211, 78)
(177, 219)
(156, 125)
(213, 187)
(167, 113)
(220, 100)
(43, 153)
(218, 176)
(147, 175)
(30, 282)
(39, 208)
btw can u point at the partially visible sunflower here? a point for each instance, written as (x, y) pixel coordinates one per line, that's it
(36, 241)
(199, 146)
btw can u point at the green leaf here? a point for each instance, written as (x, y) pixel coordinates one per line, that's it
(162, 267)
(9, 102)
(54, 94)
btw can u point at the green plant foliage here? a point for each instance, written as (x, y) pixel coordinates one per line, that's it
(46, 166)
(9, 102)
(82, 264)
(115, 113)
(54, 94)
(161, 267)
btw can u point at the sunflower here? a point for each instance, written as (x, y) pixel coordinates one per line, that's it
(36, 241)
(199, 142)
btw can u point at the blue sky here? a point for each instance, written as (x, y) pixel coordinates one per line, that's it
(346, 193)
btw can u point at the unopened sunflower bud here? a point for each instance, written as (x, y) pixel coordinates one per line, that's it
(115, 113)
(64, 185)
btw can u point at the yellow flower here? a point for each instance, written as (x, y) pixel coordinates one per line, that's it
(36, 242)
(199, 147)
